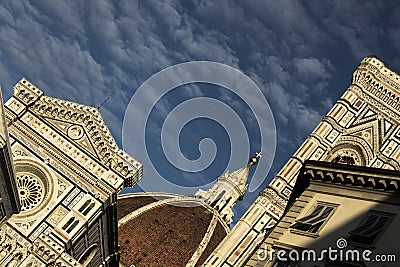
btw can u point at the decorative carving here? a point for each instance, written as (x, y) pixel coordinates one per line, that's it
(5, 249)
(374, 102)
(57, 215)
(81, 123)
(347, 149)
(26, 92)
(274, 198)
(377, 180)
(18, 256)
(19, 153)
(75, 132)
(381, 92)
(89, 120)
(31, 191)
(34, 184)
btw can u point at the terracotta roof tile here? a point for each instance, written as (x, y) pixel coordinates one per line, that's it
(165, 236)
(127, 205)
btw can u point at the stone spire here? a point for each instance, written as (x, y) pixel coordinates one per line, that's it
(229, 188)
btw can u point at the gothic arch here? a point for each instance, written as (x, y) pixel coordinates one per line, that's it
(349, 149)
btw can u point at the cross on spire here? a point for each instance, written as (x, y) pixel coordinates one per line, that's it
(258, 155)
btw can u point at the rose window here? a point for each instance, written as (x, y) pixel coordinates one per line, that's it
(32, 184)
(31, 191)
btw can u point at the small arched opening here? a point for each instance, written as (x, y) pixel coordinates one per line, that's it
(88, 255)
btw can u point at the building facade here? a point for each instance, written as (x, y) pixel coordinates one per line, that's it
(351, 212)
(67, 171)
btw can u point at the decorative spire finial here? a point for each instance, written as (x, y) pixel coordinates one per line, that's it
(254, 160)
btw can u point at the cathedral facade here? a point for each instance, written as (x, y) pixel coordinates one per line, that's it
(61, 174)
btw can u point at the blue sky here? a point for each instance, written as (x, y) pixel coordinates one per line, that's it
(301, 54)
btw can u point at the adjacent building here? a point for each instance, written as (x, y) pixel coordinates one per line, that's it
(349, 210)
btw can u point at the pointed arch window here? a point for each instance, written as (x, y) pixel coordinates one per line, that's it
(86, 207)
(220, 195)
(73, 225)
(70, 225)
(225, 204)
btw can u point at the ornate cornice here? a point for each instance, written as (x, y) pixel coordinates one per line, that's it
(359, 176)
(90, 119)
(377, 80)
(274, 197)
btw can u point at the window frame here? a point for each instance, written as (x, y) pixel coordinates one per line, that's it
(309, 212)
(362, 223)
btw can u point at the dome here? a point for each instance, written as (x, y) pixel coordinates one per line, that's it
(162, 229)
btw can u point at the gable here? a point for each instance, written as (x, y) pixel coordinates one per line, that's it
(81, 125)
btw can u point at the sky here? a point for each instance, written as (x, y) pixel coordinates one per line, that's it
(299, 54)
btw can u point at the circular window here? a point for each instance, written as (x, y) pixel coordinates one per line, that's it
(31, 191)
(32, 184)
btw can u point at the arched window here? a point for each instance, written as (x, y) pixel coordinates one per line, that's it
(88, 255)
(88, 209)
(220, 195)
(226, 203)
(87, 202)
(68, 223)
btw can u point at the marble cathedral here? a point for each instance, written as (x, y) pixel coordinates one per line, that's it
(61, 172)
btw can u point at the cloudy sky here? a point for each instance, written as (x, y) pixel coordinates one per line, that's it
(301, 55)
